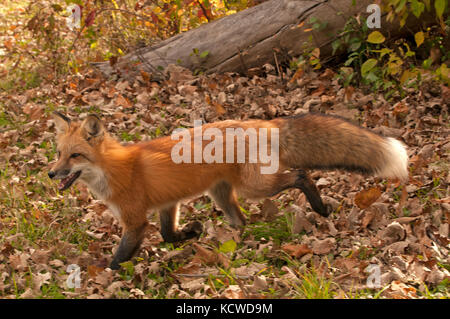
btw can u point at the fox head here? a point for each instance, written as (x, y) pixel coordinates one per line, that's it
(77, 146)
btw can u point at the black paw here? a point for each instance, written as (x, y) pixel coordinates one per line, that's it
(327, 210)
(114, 265)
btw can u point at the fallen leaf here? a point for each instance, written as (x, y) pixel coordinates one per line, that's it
(40, 279)
(301, 223)
(93, 270)
(400, 109)
(233, 292)
(367, 197)
(296, 250)
(122, 101)
(325, 246)
(394, 232)
(204, 255)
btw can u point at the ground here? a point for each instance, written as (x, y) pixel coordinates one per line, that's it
(383, 240)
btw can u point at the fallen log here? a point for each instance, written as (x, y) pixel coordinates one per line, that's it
(270, 32)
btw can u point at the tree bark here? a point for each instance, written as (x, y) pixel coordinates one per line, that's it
(268, 32)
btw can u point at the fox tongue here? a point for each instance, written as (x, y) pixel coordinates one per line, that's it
(67, 181)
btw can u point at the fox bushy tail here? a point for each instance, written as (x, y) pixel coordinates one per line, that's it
(315, 141)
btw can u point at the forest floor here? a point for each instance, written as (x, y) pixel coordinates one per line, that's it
(383, 240)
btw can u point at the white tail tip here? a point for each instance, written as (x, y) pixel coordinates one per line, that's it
(396, 164)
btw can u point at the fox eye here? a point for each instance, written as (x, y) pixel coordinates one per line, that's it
(75, 155)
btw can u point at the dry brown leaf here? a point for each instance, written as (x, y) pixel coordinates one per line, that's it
(40, 256)
(298, 74)
(192, 268)
(40, 279)
(296, 250)
(122, 101)
(204, 255)
(19, 262)
(94, 270)
(233, 292)
(219, 108)
(325, 246)
(368, 217)
(301, 223)
(394, 232)
(367, 197)
(34, 111)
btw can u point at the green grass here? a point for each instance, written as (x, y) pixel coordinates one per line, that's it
(312, 283)
(279, 230)
(21, 81)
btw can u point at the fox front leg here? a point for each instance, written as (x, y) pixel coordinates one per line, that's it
(129, 245)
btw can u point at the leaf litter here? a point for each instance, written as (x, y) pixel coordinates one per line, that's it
(403, 229)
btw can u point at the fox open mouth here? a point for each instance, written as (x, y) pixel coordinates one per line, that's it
(68, 181)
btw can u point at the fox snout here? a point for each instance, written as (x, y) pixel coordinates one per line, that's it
(58, 173)
(67, 178)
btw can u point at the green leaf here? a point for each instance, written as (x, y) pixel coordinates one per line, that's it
(228, 246)
(371, 77)
(128, 266)
(385, 51)
(376, 37)
(427, 63)
(406, 75)
(335, 45)
(439, 5)
(367, 66)
(400, 6)
(417, 7)
(349, 61)
(355, 46)
(204, 54)
(419, 37)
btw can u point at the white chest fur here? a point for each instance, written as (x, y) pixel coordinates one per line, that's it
(97, 183)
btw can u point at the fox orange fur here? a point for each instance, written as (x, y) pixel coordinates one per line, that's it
(136, 178)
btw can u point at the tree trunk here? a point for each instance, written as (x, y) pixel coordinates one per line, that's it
(266, 33)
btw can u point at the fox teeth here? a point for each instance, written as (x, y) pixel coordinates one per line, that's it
(68, 181)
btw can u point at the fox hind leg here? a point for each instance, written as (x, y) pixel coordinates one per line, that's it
(169, 226)
(225, 197)
(271, 185)
(307, 186)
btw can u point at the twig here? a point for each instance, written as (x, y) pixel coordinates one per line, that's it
(241, 58)
(203, 9)
(278, 66)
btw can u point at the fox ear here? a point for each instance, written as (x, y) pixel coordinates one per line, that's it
(62, 122)
(92, 127)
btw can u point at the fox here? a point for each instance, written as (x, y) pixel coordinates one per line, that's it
(133, 179)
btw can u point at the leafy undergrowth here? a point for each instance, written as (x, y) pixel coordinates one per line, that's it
(397, 231)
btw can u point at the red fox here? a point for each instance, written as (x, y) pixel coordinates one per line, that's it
(135, 178)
